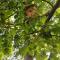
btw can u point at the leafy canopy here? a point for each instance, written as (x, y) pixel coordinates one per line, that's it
(29, 35)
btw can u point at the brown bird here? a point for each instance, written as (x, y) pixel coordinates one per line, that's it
(31, 10)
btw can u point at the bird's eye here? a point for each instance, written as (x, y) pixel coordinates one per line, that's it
(30, 10)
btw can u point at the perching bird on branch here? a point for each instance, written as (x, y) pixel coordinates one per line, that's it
(31, 10)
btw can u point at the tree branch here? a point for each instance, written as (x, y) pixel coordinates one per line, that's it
(51, 13)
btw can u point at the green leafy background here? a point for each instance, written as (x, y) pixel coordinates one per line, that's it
(28, 37)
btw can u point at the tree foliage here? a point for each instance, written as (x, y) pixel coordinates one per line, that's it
(36, 35)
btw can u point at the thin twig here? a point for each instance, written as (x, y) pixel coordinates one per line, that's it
(48, 3)
(56, 35)
(10, 16)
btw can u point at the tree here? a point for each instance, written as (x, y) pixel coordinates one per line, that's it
(32, 27)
